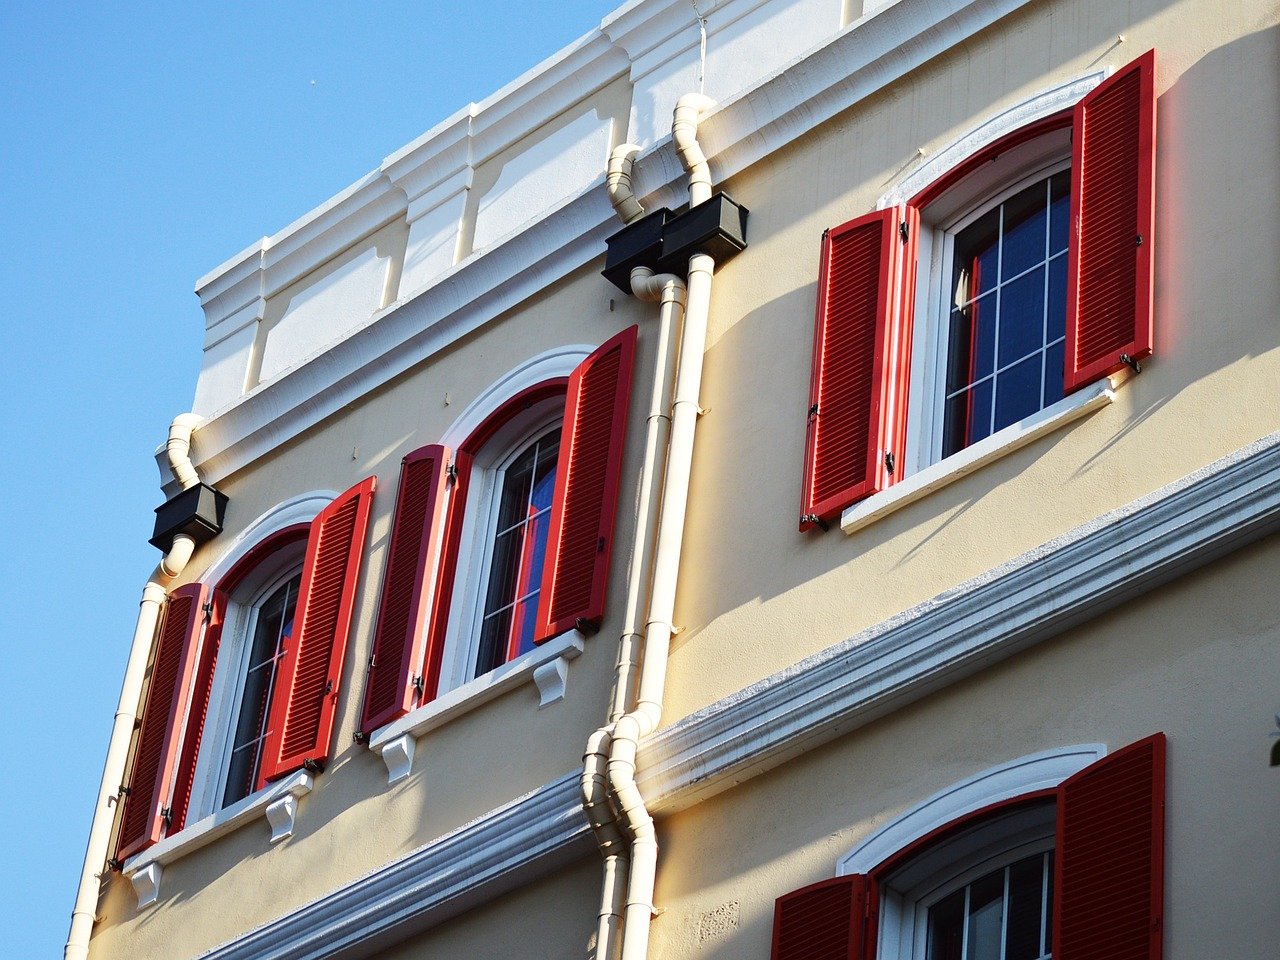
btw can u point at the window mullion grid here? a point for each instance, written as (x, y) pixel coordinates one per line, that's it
(995, 360)
(1044, 328)
(289, 602)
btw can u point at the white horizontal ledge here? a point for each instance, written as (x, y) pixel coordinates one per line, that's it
(1220, 508)
(961, 464)
(546, 666)
(276, 802)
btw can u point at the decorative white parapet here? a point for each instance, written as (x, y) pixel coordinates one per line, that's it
(277, 802)
(546, 666)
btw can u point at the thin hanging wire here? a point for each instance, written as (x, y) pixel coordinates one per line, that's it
(702, 45)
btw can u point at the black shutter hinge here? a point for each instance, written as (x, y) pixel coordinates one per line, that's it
(359, 736)
(1138, 241)
(166, 814)
(600, 545)
(312, 766)
(451, 472)
(904, 231)
(813, 412)
(419, 685)
(124, 791)
(1128, 361)
(585, 627)
(114, 864)
(328, 687)
(207, 608)
(816, 520)
(888, 463)
(373, 660)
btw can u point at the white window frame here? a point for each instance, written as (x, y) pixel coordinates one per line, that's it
(475, 545)
(939, 225)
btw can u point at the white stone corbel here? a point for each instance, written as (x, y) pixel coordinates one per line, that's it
(280, 814)
(397, 754)
(550, 679)
(146, 884)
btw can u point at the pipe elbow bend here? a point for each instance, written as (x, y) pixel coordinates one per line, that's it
(684, 132)
(178, 449)
(618, 182)
(176, 560)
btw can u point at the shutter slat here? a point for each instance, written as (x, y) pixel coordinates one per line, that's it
(1108, 888)
(1109, 273)
(588, 471)
(400, 636)
(305, 695)
(141, 822)
(824, 921)
(861, 354)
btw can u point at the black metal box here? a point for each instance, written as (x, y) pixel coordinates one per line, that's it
(637, 244)
(196, 511)
(717, 228)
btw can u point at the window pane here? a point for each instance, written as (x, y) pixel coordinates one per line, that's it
(977, 258)
(968, 418)
(1018, 392)
(544, 483)
(973, 343)
(1053, 374)
(516, 482)
(1022, 317)
(1059, 210)
(504, 570)
(946, 928)
(986, 917)
(1057, 327)
(493, 641)
(1024, 231)
(1026, 900)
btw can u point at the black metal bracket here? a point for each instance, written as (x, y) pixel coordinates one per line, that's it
(817, 521)
(1128, 361)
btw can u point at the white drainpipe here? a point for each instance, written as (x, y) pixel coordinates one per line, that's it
(630, 728)
(669, 290)
(153, 597)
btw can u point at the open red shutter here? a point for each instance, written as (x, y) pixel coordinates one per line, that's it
(305, 695)
(201, 688)
(145, 813)
(393, 685)
(824, 921)
(861, 346)
(1109, 882)
(587, 475)
(1109, 261)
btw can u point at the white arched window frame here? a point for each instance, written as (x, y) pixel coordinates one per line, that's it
(909, 891)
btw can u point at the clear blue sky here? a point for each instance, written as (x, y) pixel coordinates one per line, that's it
(140, 146)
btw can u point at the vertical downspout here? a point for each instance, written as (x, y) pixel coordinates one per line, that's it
(669, 290)
(630, 728)
(153, 597)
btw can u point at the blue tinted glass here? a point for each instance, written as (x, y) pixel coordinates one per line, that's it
(1057, 299)
(1022, 317)
(1024, 231)
(1059, 210)
(1018, 392)
(544, 484)
(1053, 374)
(967, 418)
(973, 343)
(977, 258)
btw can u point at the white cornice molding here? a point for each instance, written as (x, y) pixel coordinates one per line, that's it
(1173, 531)
(856, 63)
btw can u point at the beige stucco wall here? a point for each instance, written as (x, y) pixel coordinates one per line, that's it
(756, 595)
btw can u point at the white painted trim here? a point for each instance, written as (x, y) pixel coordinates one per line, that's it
(548, 365)
(219, 824)
(473, 693)
(999, 444)
(854, 64)
(1004, 781)
(1220, 508)
(1036, 107)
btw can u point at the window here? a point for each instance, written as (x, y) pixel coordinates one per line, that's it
(246, 673)
(1074, 870)
(504, 542)
(975, 304)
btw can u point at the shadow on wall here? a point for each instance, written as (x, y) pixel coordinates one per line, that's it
(1213, 311)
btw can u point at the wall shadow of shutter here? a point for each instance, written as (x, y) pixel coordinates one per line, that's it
(400, 636)
(142, 821)
(304, 699)
(1110, 259)
(823, 921)
(588, 472)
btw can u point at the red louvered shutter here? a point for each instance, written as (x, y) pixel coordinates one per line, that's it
(1109, 865)
(201, 689)
(391, 689)
(143, 821)
(861, 349)
(824, 921)
(588, 472)
(305, 695)
(1109, 262)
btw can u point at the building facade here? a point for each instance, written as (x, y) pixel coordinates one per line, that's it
(889, 526)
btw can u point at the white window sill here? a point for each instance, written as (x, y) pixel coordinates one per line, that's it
(278, 802)
(546, 666)
(1002, 442)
